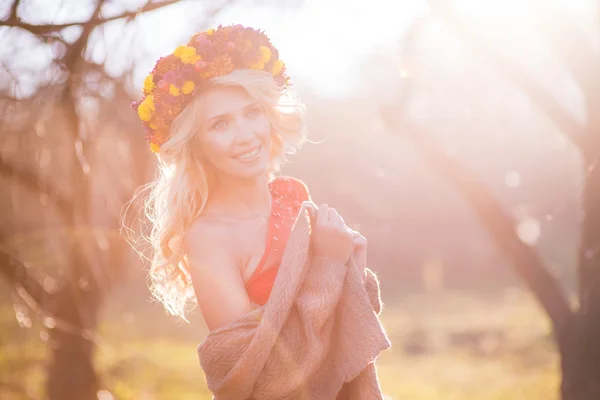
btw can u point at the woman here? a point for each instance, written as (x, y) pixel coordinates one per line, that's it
(221, 117)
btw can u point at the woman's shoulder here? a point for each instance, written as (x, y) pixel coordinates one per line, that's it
(290, 184)
(211, 249)
(205, 234)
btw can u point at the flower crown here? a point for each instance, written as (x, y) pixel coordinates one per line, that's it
(178, 77)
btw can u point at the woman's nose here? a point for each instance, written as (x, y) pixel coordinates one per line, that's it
(244, 133)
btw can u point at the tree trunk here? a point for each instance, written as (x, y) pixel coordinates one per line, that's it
(580, 369)
(581, 357)
(71, 374)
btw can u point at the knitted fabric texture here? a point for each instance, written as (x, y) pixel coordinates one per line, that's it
(318, 333)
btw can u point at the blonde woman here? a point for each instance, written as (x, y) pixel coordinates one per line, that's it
(220, 116)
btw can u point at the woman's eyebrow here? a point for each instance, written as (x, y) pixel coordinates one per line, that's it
(218, 116)
(253, 104)
(225, 115)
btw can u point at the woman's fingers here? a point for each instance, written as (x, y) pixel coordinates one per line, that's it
(332, 214)
(323, 215)
(312, 209)
(334, 238)
(359, 240)
(335, 219)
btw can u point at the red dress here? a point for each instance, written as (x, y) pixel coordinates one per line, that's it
(287, 195)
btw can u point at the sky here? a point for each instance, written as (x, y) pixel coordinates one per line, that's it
(321, 41)
(324, 41)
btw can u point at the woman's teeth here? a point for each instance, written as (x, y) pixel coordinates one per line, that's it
(249, 154)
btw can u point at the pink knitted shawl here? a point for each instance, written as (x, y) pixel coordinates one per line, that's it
(319, 332)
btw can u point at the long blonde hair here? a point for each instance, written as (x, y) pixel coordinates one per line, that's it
(179, 194)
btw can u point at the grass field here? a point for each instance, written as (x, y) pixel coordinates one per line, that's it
(449, 346)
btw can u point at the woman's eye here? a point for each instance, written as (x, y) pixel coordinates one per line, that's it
(220, 125)
(253, 113)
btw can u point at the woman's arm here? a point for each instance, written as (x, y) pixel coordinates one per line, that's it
(218, 283)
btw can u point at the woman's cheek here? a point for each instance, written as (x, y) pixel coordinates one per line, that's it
(264, 124)
(222, 142)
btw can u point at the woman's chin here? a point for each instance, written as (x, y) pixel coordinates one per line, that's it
(250, 171)
(253, 168)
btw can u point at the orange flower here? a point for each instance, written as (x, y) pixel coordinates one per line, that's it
(158, 123)
(174, 110)
(166, 64)
(225, 31)
(159, 137)
(221, 65)
(244, 45)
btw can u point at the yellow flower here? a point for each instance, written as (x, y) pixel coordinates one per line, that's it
(265, 54)
(259, 66)
(149, 84)
(146, 108)
(188, 87)
(179, 51)
(187, 54)
(154, 147)
(277, 65)
(174, 90)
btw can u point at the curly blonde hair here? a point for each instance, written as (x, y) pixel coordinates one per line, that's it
(179, 194)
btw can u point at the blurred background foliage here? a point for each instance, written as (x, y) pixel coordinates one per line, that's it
(461, 137)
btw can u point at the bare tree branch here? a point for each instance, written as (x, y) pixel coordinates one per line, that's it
(74, 51)
(501, 224)
(33, 183)
(13, 10)
(18, 275)
(540, 97)
(38, 299)
(14, 21)
(525, 259)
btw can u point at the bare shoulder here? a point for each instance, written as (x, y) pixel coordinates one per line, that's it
(206, 243)
(216, 277)
(206, 230)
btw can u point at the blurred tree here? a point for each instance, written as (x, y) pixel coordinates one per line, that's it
(576, 329)
(68, 133)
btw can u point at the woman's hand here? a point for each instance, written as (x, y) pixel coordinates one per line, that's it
(360, 249)
(331, 237)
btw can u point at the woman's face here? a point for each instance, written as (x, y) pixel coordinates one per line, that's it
(235, 134)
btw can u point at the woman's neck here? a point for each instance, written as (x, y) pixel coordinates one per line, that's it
(241, 198)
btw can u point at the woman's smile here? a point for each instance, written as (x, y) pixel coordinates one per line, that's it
(249, 155)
